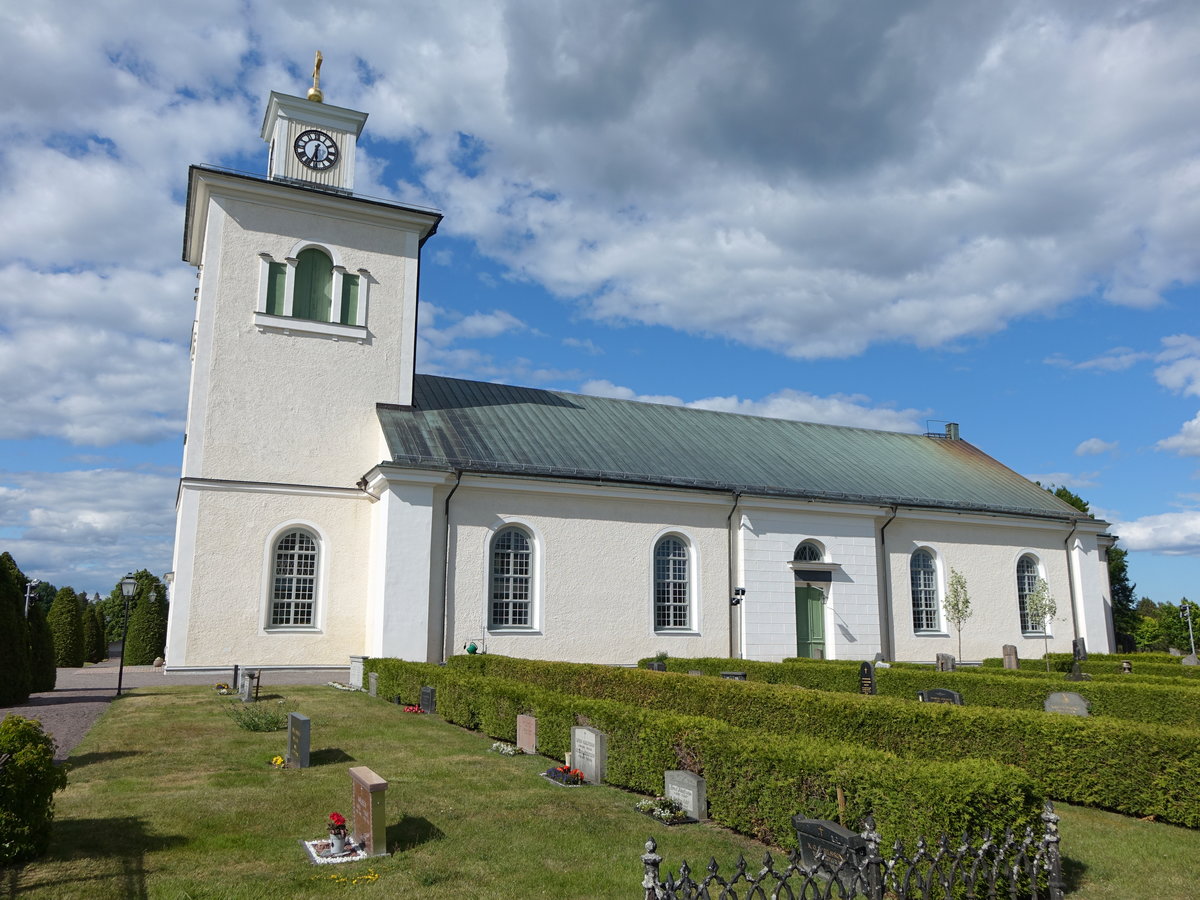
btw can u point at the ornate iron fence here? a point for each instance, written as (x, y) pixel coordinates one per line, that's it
(1008, 867)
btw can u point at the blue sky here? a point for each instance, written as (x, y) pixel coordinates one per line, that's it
(874, 214)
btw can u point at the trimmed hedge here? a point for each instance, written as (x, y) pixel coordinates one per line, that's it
(1163, 664)
(1166, 704)
(1129, 767)
(755, 781)
(28, 780)
(1135, 677)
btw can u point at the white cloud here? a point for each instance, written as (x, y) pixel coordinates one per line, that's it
(1094, 447)
(1172, 534)
(584, 344)
(839, 409)
(1180, 371)
(1052, 480)
(1187, 442)
(88, 527)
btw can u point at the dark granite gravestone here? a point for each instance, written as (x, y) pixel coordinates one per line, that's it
(368, 810)
(527, 734)
(1076, 673)
(734, 676)
(688, 790)
(1011, 660)
(657, 666)
(841, 845)
(589, 753)
(1068, 703)
(940, 695)
(428, 699)
(1079, 649)
(298, 741)
(945, 662)
(866, 678)
(373, 683)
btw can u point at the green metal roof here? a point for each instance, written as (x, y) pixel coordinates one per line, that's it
(493, 428)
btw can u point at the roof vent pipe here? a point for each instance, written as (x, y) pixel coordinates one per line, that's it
(952, 431)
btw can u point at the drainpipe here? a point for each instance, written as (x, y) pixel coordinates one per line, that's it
(1071, 578)
(446, 563)
(735, 631)
(886, 641)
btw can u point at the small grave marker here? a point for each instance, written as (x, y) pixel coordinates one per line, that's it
(1126, 667)
(839, 844)
(688, 790)
(1079, 649)
(657, 666)
(1191, 660)
(589, 753)
(695, 672)
(1077, 674)
(734, 676)
(368, 805)
(1068, 703)
(527, 734)
(866, 678)
(298, 741)
(249, 682)
(945, 662)
(428, 699)
(1011, 660)
(373, 683)
(940, 695)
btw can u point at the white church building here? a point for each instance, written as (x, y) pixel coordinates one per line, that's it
(334, 503)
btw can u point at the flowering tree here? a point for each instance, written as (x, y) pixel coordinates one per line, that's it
(958, 605)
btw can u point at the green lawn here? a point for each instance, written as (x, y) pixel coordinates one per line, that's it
(168, 798)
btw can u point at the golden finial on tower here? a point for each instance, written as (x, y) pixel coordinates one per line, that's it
(314, 92)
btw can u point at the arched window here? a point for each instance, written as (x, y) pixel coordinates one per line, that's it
(313, 293)
(511, 579)
(809, 551)
(923, 573)
(311, 287)
(1027, 579)
(672, 592)
(294, 590)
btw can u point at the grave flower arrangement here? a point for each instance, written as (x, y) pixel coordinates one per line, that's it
(278, 762)
(664, 809)
(222, 688)
(413, 708)
(337, 825)
(565, 775)
(505, 749)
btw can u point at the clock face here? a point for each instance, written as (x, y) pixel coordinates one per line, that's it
(316, 149)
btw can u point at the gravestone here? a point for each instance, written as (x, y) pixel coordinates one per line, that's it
(1076, 673)
(1079, 649)
(368, 810)
(298, 741)
(527, 734)
(1068, 703)
(945, 662)
(1011, 660)
(589, 753)
(373, 682)
(695, 672)
(841, 845)
(734, 676)
(866, 678)
(940, 695)
(356, 672)
(428, 699)
(1174, 652)
(1126, 667)
(249, 694)
(688, 790)
(1191, 660)
(657, 666)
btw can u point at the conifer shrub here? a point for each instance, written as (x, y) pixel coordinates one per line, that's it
(15, 666)
(66, 625)
(42, 670)
(147, 621)
(28, 780)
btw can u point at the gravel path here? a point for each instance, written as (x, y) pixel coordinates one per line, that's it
(81, 696)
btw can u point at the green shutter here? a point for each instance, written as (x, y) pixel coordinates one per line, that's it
(276, 285)
(314, 286)
(349, 300)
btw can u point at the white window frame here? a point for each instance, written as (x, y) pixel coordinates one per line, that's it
(319, 579)
(809, 542)
(1022, 616)
(534, 579)
(935, 573)
(692, 584)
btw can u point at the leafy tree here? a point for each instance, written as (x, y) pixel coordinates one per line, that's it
(100, 651)
(14, 639)
(1148, 635)
(958, 605)
(147, 620)
(93, 636)
(1041, 608)
(66, 624)
(42, 670)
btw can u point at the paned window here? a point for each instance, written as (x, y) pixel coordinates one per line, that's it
(809, 551)
(511, 580)
(672, 600)
(320, 291)
(293, 593)
(1027, 578)
(923, 574)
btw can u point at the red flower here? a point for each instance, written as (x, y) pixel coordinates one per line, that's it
(337, 819)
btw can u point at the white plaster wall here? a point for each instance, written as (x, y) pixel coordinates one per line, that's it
(770, 535)
(222, 606)
(298, 408)
(1094, 594)
(985, 552)
(593, 569)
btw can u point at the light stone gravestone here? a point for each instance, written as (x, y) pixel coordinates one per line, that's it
(373, 683)
(1068, 703)
(589, 753)
(1126, 667)
(249, 681)
(1191, 660)
(428, 699)
(945, 662)
(695, 672)
(527, 734)
(1011, 660)
(298, 741)
(688, 790)
(369, 810)
(356, 672)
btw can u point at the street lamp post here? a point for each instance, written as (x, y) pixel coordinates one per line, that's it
(128, 589)
(1185, 613)
(32, 583)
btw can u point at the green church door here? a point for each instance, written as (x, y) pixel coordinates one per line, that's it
(810, 623)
